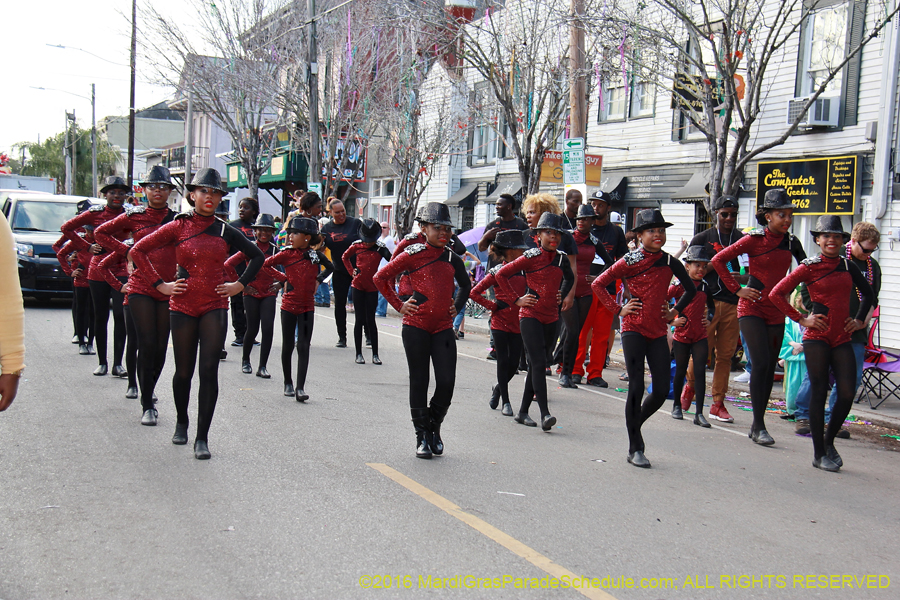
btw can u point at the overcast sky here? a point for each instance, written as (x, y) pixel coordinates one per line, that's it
(94, 25)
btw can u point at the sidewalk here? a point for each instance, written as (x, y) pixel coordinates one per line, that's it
(887, 415)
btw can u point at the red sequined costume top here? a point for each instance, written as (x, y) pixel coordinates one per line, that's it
(302, 273)
(432, 272)
(830, 282)
(588, 246)
(367, 261)
(71, 259)
(201, 247)
(141, 221)
(504, 312)
(702, 304)
(648, 275)
(548, 274)
(95, 216)
(770, 256)
(403, 285)
(261, 287)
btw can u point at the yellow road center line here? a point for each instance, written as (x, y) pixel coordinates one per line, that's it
(510, 543)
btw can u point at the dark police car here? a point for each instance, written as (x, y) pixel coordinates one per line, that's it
(35, 220)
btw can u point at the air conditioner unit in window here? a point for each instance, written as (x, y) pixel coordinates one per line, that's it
(824, 112)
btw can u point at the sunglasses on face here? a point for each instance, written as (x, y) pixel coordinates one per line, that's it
(728, 215)
(866, 250)
(158, 186)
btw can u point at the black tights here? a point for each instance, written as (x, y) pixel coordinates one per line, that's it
(508, 347)
(574, 319)
(188, 333)
(683, 353)
(423, 350)
(101, 294)
(636, 349)
(763, 342)
(364, 303)
(820, 357)
(340, 283)
(539, 340)
(130, 347)
(84, 315)
(302, 324)
(151, 322)
(260, 313)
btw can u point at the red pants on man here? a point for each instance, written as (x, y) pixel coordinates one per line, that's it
(599, 320)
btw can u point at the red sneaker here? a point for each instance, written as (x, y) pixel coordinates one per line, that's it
(687, 396)
(718, 412)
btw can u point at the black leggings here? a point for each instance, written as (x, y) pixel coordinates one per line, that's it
(238, 317)
(340, 283)
(131, 347)
(302, 325)
(539, 340)
(152, 324)
(683, 353)
(188, 333)
(508, 347)
(364, 303)
(763, 342)
(101, 294)
(636, 349)
(574, 319)
(84, 315)
(820, 357)
(423, 350)
(260, 313)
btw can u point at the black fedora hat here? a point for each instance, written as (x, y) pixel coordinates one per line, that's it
(510, 239)
(696, 254)
(303, 225)
(601, 195)
(158, 174)
(435, 213)
(369, 230)
(114, 182)
(265, 220)
(586, 211)
(775, 199)
(551, 221)
(830, 224)
(647, 218)
(209, 178)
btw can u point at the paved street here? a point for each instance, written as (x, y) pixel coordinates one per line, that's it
(323, 499)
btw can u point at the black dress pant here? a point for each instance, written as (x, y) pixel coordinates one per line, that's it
(238, 318)
(424, 350)
(340, 282)
(365, 303)
(574, 319)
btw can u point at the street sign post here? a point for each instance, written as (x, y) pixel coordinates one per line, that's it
(573, 161)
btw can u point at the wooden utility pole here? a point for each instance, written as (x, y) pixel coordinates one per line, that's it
(94, 139)
(315, 155)
(577, 91)
(130, 166)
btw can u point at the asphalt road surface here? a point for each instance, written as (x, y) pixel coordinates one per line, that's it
(327, 500)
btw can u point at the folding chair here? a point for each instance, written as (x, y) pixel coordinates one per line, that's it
(878, 366)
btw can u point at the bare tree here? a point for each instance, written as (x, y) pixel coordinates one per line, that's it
(722, 57)
(233, 61)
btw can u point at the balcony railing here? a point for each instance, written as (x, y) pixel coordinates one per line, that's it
(174, 158)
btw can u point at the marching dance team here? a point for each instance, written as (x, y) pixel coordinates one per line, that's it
(161, 272)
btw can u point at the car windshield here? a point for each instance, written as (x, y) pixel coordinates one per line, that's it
(42, 216)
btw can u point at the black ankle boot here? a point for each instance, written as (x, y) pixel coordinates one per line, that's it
(437, 417)
(422, 422)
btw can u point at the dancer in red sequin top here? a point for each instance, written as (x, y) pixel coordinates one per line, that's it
(428, 336)
(361, 260)
(115, 190)
(648, 271)
(548, 279)
(508, 245)
(199, 297)
(690, 337)
(830, 279)
(770, 251)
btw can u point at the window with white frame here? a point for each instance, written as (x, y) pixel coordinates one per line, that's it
(613, 108)
(483, 139)
(384, 189)
(643, 99)
(824, 45)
